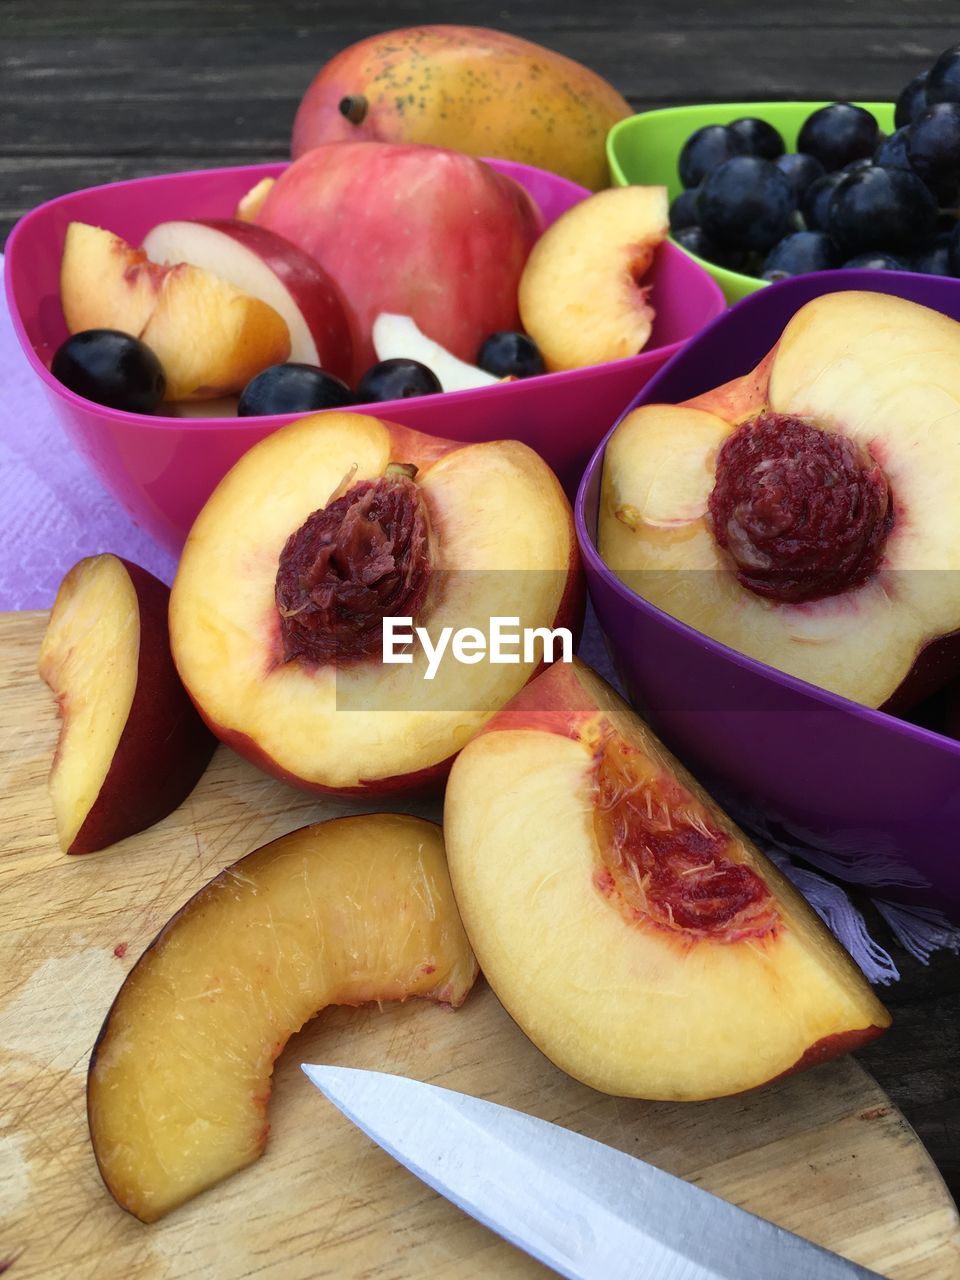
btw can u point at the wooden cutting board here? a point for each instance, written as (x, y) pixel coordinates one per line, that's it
(825, 1154)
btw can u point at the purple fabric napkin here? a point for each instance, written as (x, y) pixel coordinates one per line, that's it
(55, 511)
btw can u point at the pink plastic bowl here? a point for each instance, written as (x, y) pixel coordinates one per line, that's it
(164, 469)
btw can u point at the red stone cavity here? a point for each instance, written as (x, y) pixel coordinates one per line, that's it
(363, 557)
(803, 513)
(663, 860)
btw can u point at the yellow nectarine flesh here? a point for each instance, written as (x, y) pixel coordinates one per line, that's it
(583, 297)
(89, 657)
(249, 205)
(344, 912)
(105, 283)
(630, 929)
(500, 542)
(210, 337)
(132, 745)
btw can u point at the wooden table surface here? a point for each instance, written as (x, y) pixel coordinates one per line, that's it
(93, 91)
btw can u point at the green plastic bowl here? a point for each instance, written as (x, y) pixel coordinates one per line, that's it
(643, 150)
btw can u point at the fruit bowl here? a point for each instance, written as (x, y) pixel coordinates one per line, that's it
(163, 469)
(644, 149)
(877, 793)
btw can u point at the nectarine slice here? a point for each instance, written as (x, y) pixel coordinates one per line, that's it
(582, 294)
(343, 912)
(266, 266)
(131, 745)
(316, 536)
(633, 932)
(805, 514)
(210, 337)
(105, 283)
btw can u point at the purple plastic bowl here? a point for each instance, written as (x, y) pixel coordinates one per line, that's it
(164, 469)
(881, 794)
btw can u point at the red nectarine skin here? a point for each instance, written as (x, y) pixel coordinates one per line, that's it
(131, 798)
(803, 513)
(833, 1047)
(741, 397)
(664, 862)
(362, 558)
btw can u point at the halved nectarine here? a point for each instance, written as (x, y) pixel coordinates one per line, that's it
(131, 746)
(806, 514)
(343, 912)
(319, 533)
(633, 932)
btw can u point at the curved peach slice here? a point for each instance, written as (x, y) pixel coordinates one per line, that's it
(582, 297)
(343, 912)
(806, 513)
(318, 534)
(630, 929)
(131, 746)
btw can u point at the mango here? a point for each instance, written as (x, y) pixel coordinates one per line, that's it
(469, 89)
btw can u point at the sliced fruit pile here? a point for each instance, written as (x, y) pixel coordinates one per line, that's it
(806, 514)
(328, 299)
(849, 197)
(573, 835)
(627, 925)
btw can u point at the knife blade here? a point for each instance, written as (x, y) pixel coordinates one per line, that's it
(588, 1211)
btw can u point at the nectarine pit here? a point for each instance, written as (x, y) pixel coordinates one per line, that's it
(363, 557)
(803, 513)
(663, 861)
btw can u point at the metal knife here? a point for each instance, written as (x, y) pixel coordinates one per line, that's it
(585, 1209)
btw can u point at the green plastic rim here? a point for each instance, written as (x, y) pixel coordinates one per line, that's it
(643, 151)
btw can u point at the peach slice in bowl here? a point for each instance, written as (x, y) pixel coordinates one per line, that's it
(791, 699)
(162, 469)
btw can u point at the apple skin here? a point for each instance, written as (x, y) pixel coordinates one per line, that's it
(413, 230)
(310, 287)
(164, 747)
(484, 92)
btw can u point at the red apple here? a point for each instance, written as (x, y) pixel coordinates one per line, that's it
(131, 745)
(266, 266)
(632, 931)
(412, 230)
(319, 533)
